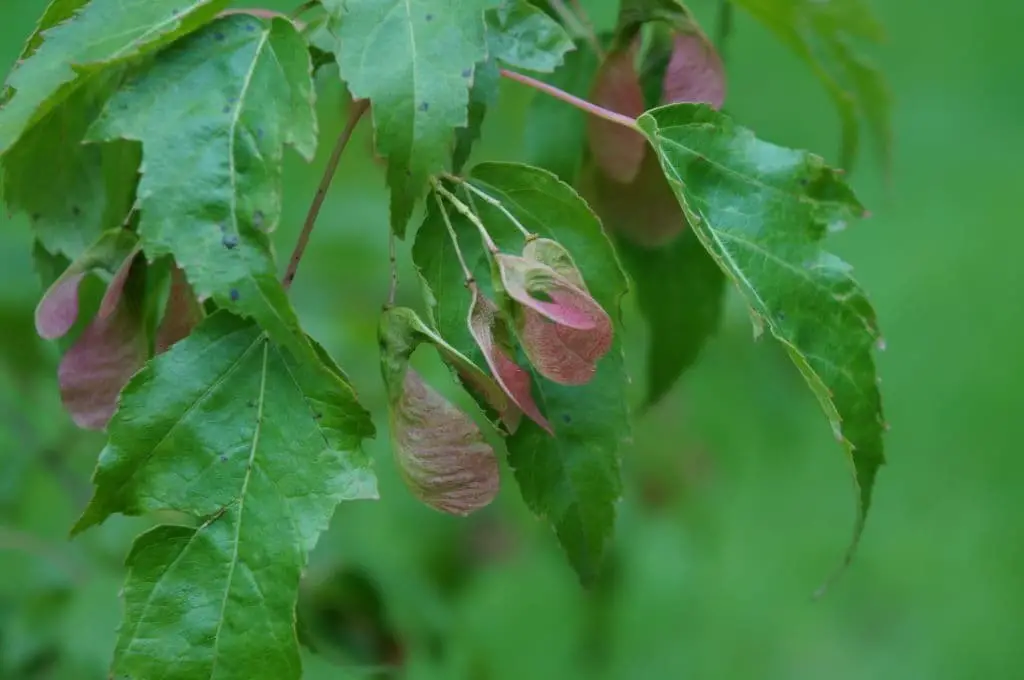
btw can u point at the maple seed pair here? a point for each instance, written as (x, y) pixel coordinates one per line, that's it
(562, 329)
(441, 453)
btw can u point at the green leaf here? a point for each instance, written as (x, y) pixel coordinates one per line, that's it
(76, 38)
(761, 211)
(229, 428)
(414, 62)
(89, 188)
(213, 115)
(571, 478)
(821, 34)
(523, 36)
(486, 81)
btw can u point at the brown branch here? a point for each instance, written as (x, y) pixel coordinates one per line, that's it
(359, 107)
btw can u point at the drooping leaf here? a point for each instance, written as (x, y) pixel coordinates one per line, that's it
(414, 62)
(228, 427)
(78, 38)
(522, 36)
(562, 329)
(821, 34)
(108, 353)
(440, 451)
(492, 337)
(555, 133)
(571, 479)
(213, 115)
(57, 311)
(181, 314)
(88, 188)
(761, 211)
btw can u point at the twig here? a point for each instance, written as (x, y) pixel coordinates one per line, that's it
(490, 200)
(579, 22)
(582, 104)
(358, 109)
(467, 213)
(455, 240)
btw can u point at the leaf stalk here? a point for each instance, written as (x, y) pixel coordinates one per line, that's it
(573, 100)
(467, 213)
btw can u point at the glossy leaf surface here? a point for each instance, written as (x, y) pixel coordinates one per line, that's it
(76, 38)
(210, 191)
(414, 62)
(762, 211)
(226, 427)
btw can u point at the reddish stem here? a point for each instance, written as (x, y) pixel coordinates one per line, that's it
(358, 109)
(582, 104)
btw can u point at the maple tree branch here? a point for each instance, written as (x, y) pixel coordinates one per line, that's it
(359, 107)
(573, 100)
(455, 240)
(465, 211)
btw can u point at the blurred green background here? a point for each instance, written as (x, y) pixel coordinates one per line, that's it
(738, 503)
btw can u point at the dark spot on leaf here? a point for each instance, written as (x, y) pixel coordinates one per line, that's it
(227, 108)
(466, 73)
(223, 458)
(218, 36)
(424, 106)
(318, 416)
(251, 403)
(36, 217)
(566, 418)
(76, 211)
(257, 219)
(429, 17)
(230, 241)
(259, 133)
(804, 181)
(234, 295)
(250, 28)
